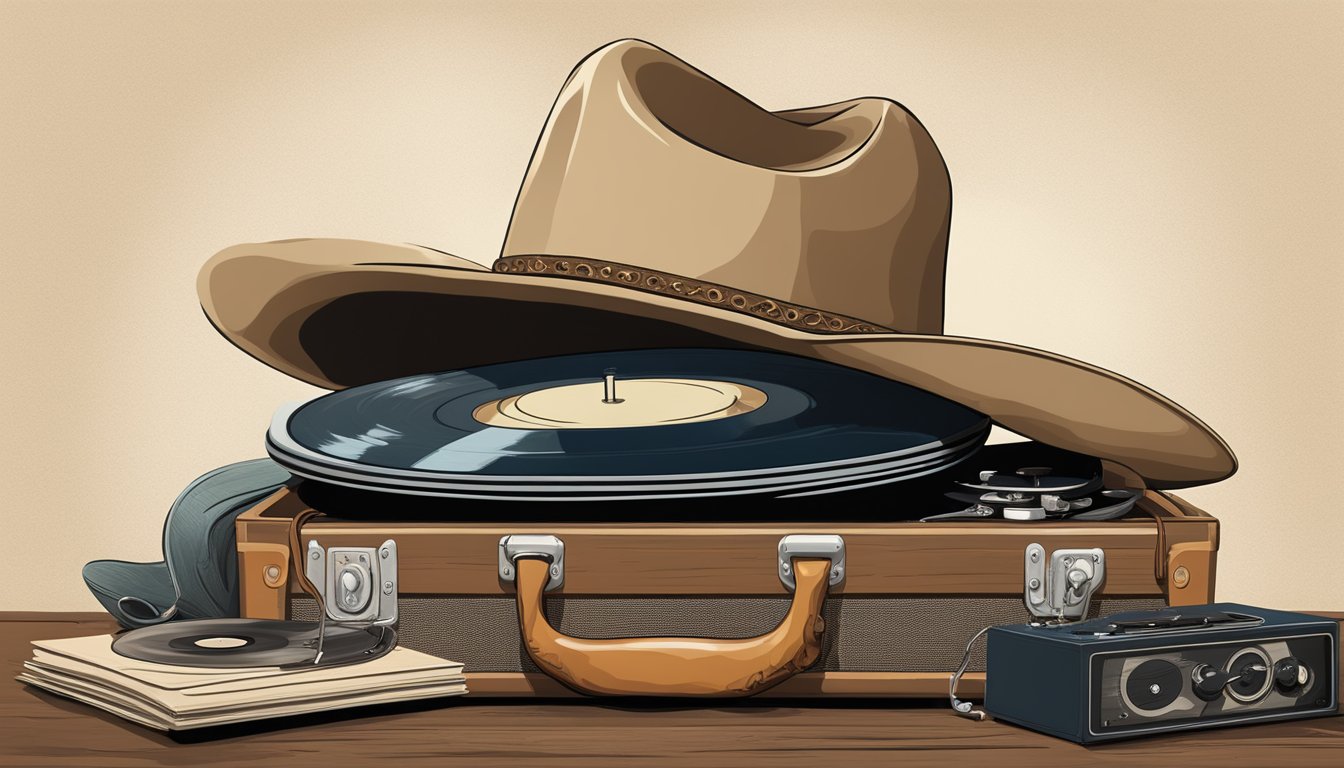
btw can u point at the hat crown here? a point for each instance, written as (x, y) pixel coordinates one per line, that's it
(648, 162)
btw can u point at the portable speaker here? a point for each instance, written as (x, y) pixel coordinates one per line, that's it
(1136, 674)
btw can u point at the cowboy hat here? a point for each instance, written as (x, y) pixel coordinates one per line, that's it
(662, 209)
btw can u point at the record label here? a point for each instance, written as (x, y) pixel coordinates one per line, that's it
(635, 403)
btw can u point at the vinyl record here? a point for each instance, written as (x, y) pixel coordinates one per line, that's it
(645, 424)
(234, 643)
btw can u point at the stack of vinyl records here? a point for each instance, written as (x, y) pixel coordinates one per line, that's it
(171, 697)
(638, 425)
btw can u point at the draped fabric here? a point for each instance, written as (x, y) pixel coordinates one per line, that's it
(199, 569)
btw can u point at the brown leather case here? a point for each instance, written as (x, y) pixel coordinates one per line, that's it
(699, 609)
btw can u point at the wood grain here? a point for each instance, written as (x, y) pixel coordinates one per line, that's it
(37, 729)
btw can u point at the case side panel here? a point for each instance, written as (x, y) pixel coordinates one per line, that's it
(263, 560)
(1033, 683)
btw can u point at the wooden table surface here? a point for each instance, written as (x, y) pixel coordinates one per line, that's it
(37, 728)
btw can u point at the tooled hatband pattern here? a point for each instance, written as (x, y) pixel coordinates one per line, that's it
(702, 292)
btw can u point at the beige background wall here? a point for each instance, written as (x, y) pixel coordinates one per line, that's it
(1153, 188)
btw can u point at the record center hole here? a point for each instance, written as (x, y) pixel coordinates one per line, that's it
(220, 643)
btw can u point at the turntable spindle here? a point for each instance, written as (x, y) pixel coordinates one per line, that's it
(609, 387)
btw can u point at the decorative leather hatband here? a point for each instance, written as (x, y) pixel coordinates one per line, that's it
(700, 291)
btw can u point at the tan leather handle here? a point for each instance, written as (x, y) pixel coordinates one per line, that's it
(675, 666)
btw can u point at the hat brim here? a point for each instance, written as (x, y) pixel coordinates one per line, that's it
(339, 313)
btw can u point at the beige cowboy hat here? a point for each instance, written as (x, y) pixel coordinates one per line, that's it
(662, 209)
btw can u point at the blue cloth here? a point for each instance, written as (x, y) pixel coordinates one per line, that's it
(199, 572)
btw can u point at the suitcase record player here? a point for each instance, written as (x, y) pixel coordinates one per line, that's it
(698, 430)
(704, 522)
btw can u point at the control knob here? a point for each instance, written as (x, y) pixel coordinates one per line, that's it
(1209, 682)
(1290, 674)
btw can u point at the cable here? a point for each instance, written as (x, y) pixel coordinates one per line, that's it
(297, 566)
(964, 708)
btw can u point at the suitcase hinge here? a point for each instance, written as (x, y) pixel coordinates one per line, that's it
(1063, 588)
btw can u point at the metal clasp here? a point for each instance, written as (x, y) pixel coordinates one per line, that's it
(828, 546)
(358, 585)
(1063, 588)
(546, 546)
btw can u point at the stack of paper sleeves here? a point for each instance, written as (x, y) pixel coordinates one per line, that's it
(171, 698)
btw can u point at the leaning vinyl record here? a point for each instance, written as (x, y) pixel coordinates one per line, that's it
(659, 423)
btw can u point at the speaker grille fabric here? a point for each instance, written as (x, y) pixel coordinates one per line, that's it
(863, 634)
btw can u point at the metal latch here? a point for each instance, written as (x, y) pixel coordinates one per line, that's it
(828, 546)
(1063, 588)
(520, 544)
(358, 584)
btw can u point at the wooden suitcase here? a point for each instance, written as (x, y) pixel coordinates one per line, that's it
(894, 623)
